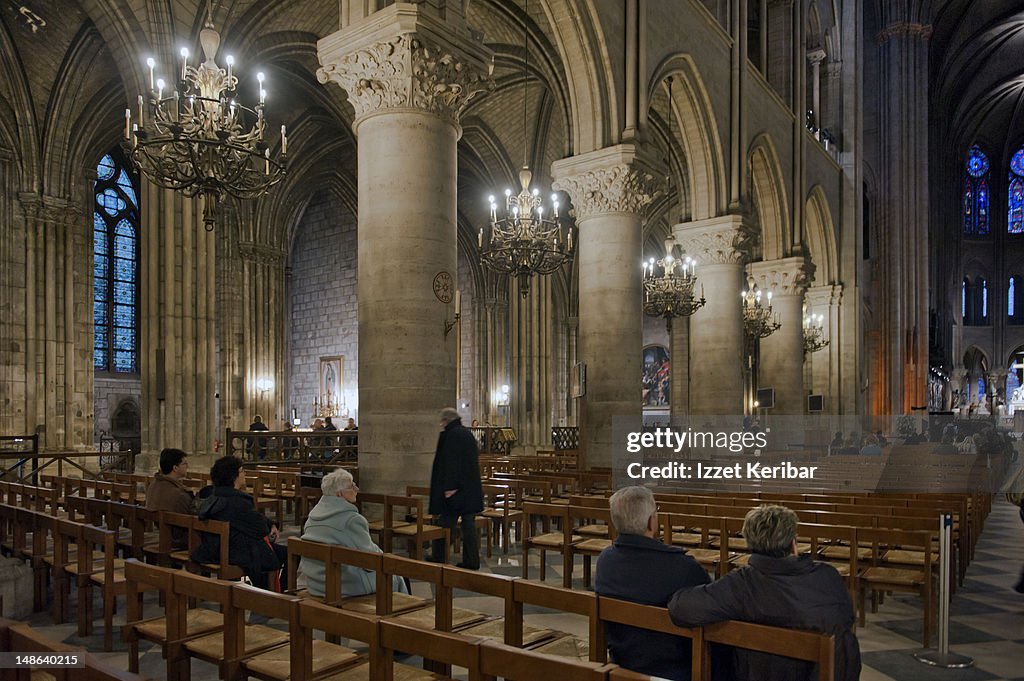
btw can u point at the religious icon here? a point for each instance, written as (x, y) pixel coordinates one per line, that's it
(656, 375)
(331, 384)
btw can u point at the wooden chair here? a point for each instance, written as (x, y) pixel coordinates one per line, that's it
(19, 637)
(564, 600)
(501, 510)
(594, 537)
(802, 645)
(96, 544)
(416, 531)
(179, 622)
(300, 550)
(277, 663)
(440, 650)
(226, 647)
(560, 541)
(352, 626)
(222, 569)
(513, 664)
(879, 578)
(615, 611)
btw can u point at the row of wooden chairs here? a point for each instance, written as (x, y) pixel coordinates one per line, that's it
(21, 638)
(223, 638)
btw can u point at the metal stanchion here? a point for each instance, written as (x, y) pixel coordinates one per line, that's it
(943, 657)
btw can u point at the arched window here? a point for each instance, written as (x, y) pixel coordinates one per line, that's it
(1015, 301)
(963, 300)
(975, 195)
(984, 301)
(1015, 194)
(115, 266)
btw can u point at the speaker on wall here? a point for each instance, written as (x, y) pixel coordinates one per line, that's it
(766, 398)
(815, 403)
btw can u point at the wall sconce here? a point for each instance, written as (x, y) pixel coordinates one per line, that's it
(501, 397)
(449, 325)
(264, 384)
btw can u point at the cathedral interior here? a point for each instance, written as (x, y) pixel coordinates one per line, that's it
(861, 163)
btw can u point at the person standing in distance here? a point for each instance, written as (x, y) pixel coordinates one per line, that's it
(455, 489)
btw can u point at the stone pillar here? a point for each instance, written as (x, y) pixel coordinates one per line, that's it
(679, 357)
(409, 75)
(530, 353)
(610, 189)
(178, 328)
(781, 359)
(831, 118)
(814, 59)
(716, 330)
(824, 364)
(779, 68)
(903, 282)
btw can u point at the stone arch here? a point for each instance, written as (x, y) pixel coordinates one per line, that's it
(821, 238)
(22, 130)
(701, 142)
(768, 191)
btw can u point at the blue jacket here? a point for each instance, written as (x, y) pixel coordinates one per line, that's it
(335, 521)
(643, 570)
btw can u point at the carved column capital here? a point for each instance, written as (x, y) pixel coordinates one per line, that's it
(815, 57)
(49, 209)
(786, 276)
(823, 296)
(910, 29)
(717, 241)
(401, 58)
(613, 180)
(259, 253)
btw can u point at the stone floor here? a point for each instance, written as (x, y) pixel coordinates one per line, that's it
(986, 622)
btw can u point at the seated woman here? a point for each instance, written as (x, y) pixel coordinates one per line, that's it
(336, 520)
(251, 542)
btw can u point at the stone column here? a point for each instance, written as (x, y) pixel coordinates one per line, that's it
(782, 353)
(824, 364)
(610, 189)
(903, 281)
(409, 75)
(530, 354)
(814, 59)
(679, 356)
(716, 330)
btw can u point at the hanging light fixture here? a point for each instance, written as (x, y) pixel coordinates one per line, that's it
(759, 321)
(522, 238)
(671, 293)
(814, 333)
(196, 138)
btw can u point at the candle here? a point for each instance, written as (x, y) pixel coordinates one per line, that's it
(159, 89)
(140, 110)
(295, 414)
(184, 62)
(231, 62)
(151, 63)
(458, 303)
(481, 240)
(284, 141)
(135, 138)
(127, 123)
(266, 155)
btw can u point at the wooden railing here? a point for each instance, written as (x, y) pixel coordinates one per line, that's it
(297, 446)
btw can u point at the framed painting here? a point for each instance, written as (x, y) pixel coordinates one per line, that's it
(332, 380)
(579, 380)
(656, 376)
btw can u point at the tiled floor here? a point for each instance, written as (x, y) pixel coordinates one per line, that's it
(986, 622)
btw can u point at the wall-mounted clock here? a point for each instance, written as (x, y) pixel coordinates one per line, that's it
(444, 289)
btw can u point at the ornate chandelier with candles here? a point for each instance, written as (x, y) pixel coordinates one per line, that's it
(758, 319)
(814, 333)
(196, 138)
(523, 239)
(671, 293)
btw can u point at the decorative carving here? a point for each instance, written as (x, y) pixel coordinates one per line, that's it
(258, 253)
(907, 28)
(408, 72)
(712, 243)
(619, 188)
(786, 277)
(49, 209)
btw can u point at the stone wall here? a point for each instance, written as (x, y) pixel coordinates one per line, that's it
(109, 393)
(324, 313)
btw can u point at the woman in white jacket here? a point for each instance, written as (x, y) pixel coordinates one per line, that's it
(336, 520)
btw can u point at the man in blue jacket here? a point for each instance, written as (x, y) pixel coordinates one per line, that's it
(639, 568)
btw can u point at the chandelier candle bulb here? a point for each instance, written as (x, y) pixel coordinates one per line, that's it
(151, 63)
(159, 90)
(458, 303)
(284, 140)
(127, 123)
(231, 63)
(142, 107)
(184, 63)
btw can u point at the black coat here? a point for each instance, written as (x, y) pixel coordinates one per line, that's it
(246, 546)
(643, 570)
(456, 466)
(783, 592)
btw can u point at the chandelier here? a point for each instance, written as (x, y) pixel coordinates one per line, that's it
(523, 239)
(196, 138)
(670, 294)
(330, 407)
(814, 332)
(758, 319)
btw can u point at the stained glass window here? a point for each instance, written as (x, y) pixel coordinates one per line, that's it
(984, 299)
(115, 267)
(1009, 299)
(975, 194)
(963, 300)
(1015, 194)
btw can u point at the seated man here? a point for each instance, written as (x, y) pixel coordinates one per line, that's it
(336, 520)
(252, 537)
(777, 588)
(167, 492)
(639, 568)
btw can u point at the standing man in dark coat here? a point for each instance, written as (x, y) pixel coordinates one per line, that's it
(780, 589)
(639, 568)
(455, 489)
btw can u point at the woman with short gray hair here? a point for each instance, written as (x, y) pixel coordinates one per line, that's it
(336, 520)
